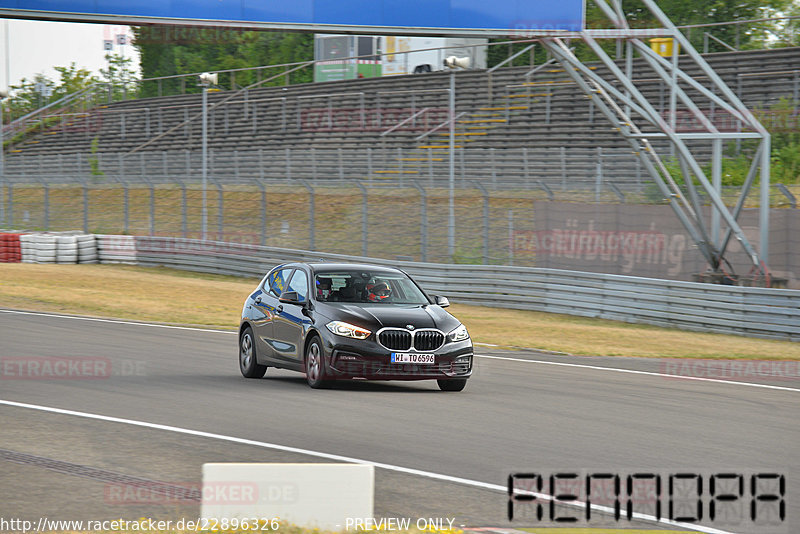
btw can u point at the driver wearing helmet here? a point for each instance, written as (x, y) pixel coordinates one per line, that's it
(377, 292)
(323, 288)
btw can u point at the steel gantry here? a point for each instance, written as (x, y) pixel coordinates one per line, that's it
(623, 104)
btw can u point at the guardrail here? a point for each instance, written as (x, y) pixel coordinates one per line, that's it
(755, 312)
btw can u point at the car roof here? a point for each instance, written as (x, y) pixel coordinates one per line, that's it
(333, 267)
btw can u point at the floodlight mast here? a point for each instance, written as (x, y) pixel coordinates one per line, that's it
(623, 107)
(206, 79)
(452, 63)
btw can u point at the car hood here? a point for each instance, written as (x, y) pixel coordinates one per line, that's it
(379, 316)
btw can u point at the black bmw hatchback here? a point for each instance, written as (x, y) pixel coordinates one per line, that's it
(343, 321)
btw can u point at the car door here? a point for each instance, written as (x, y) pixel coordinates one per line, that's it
(267, 305)
(289, 324)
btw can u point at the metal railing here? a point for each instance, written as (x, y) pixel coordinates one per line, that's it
(79, 101)
(707, 36)
(557, 167)
(85, 96)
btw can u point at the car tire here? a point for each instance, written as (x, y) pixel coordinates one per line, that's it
(452, 384)
(315, 365)
(248, 364)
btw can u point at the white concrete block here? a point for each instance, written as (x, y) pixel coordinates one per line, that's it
(309, 495)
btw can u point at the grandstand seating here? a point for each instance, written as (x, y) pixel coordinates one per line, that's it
(252, 136)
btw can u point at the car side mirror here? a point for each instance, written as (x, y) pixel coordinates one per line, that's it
(290, 297)
(441, 301)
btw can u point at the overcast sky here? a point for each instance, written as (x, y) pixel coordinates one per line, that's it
(35, 46)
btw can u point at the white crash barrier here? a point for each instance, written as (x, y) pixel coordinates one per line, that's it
(27, 248)
(66, 247)
(116, 249)
(87, 248)
(307, 495)
(46, 248)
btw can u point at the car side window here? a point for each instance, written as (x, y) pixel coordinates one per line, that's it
(278, 281)
(299, 283)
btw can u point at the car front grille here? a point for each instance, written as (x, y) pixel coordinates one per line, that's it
(421, 340)
(428, 340)
(395, 339)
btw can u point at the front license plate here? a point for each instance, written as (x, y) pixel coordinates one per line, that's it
(411, 357)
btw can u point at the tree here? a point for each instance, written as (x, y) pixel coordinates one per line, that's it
(683, 12)
(26, 98)
(73, 79)
(119, 75)
(167, 51)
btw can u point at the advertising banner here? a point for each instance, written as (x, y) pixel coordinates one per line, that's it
(455, 16)
(646, 240)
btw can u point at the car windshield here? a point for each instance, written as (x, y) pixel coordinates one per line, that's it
(368, 287)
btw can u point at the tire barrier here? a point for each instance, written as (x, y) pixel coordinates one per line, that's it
(87, 248)
(116, 249)
(66, 249)
(63, 248)
(10, 250)
(46, 248)
(27, 249)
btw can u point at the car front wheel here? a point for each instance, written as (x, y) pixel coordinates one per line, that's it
(247, 356)
(315, 365)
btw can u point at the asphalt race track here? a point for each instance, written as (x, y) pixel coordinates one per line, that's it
(518, 413)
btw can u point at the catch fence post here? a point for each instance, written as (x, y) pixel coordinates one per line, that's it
(46, 206)
(220, 211)
(311, 236)
(152, 208)
(511, 237)
(10, 204)
(263, 212)
(423, 211)
(369, 164)
(485, 220)
(184, 223)
(364, 218)
(85, 187)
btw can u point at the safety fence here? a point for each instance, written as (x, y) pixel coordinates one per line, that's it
(395, 220)
(401, 221)
(757, 312)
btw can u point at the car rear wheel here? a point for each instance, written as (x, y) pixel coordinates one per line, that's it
(247, 356)
(452, 384)
(315, 365)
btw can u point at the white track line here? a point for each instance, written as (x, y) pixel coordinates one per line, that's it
(347, 459)
(523, 360)
(634, 372)
(117, 321)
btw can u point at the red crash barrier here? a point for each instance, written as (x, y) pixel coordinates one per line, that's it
(10, 251)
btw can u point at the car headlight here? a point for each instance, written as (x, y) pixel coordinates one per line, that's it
(459, 334)
(348, 330)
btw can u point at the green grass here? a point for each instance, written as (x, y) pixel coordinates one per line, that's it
(161, 295)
